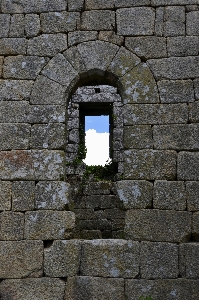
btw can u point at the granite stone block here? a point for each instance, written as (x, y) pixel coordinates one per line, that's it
(5, 25)
(17, 26)
(188, 166)
(75, 5)
(111, 37)
(11, 226)
(23, 195)
(192, 23)
(189, 260)
(32, 25)
(196, 88)
(15, 89)
(5, 195)
(13, 46)
(183, 46)
(192, 191)
(176, 91)
(98, 20)
(77, 37)
(138, 137)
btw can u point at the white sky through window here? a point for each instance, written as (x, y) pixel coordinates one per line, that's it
(97, 140)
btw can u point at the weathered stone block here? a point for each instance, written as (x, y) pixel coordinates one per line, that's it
(99, 4)
(50, 136)
(98, 188)
(123, 62)
(192, 24)
(135, 194)
(196, 88)
(18, 112)
(11, 226)
(158, 260)
(75, 5)
(29, 6)
(149, 164)
(98, 20)
(110, 258)
(174, 14)
(52, 195)
(155, 114)
(78, 37)
(97, 288)
(75, 59)
(17, 26)
(60, 70)
(15, 89)
(182, 46)
(138, 137)
(189, 260)
(188, 166)
(195, 225)
(98, 201)
(23, 67)
(13, 46)
(32, 25)
(47, 44)
(1, 65)
(14, 136)
(5, 25)
(174, 28)
(129, 3)
(174, 67)
(62, 259)
(32, 289)
(135, 21)
(172, 2)
(5, 195)
(194, 112)
(21, 259)
(111, 37)
(158, 225)
(46, 91)
(175, 91)
(49, 225)
(47, 114)
(176, 137)
(23, 195)
(59, 21)
(192, 190)
(169, 195)
(147, 47)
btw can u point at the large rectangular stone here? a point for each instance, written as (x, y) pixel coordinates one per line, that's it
(32, 25)
(11, 226)
(32, 165)
(62, 259)
(158, 260)
(158, 225)
(188, 166)
(4, 25)
(189, 260)
(110, 258)
(176, 137)
(5, 195)
(28, 6)
(98, 20)
(18, 112)
(23, 195)
(17, 26)
(135, 21)
(183, 46)
(174, 67)
(149, 164)
(59, 21)
(150, 114)
(138, 137)
(46, 114)
(192, 190)
(169, 195)
(13, 46)
(49, 225)
(192, 23)
(14, 136)
(21, 259)
(77, 37)
(15, 89)
(32, 289)
(176, 91)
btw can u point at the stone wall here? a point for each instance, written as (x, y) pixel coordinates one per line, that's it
(144, 240)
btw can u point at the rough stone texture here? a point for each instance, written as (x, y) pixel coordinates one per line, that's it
(46, 114)
(59, 22)
(21, 259)
(1, 65)
(135, 21)
(158, 225)
(23, 67)
(111, 37)
(149, 164)
(16, 26)
(14, 136)
(126, 3)
(5, 25)
(29, 6)
(147, 47)
(195, 225)
(18, 111)
(32, 289)
(85, 287)
(52, 195)
(188, 163)
(110, 258)
(23, 195)
(13, 46)
(99, 4)
(138, 137)
(169, 195)
(5, 195)
(49, 225)
(174, 67)
(75, 5)
(194, 112)
(173, 2)
(75, 59)
(15, 89)
(192, 189)
(32, 25)
(192, 23)
(11, 226)
(78, 37)
(189, 260)
(176, 91)
(141, 114)
(158, 260)
(196, 88)
(47, 44)
(62, 259)
(98, 20)
(183, 46)
(135, 194)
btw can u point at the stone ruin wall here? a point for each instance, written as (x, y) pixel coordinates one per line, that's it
(138, 234)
